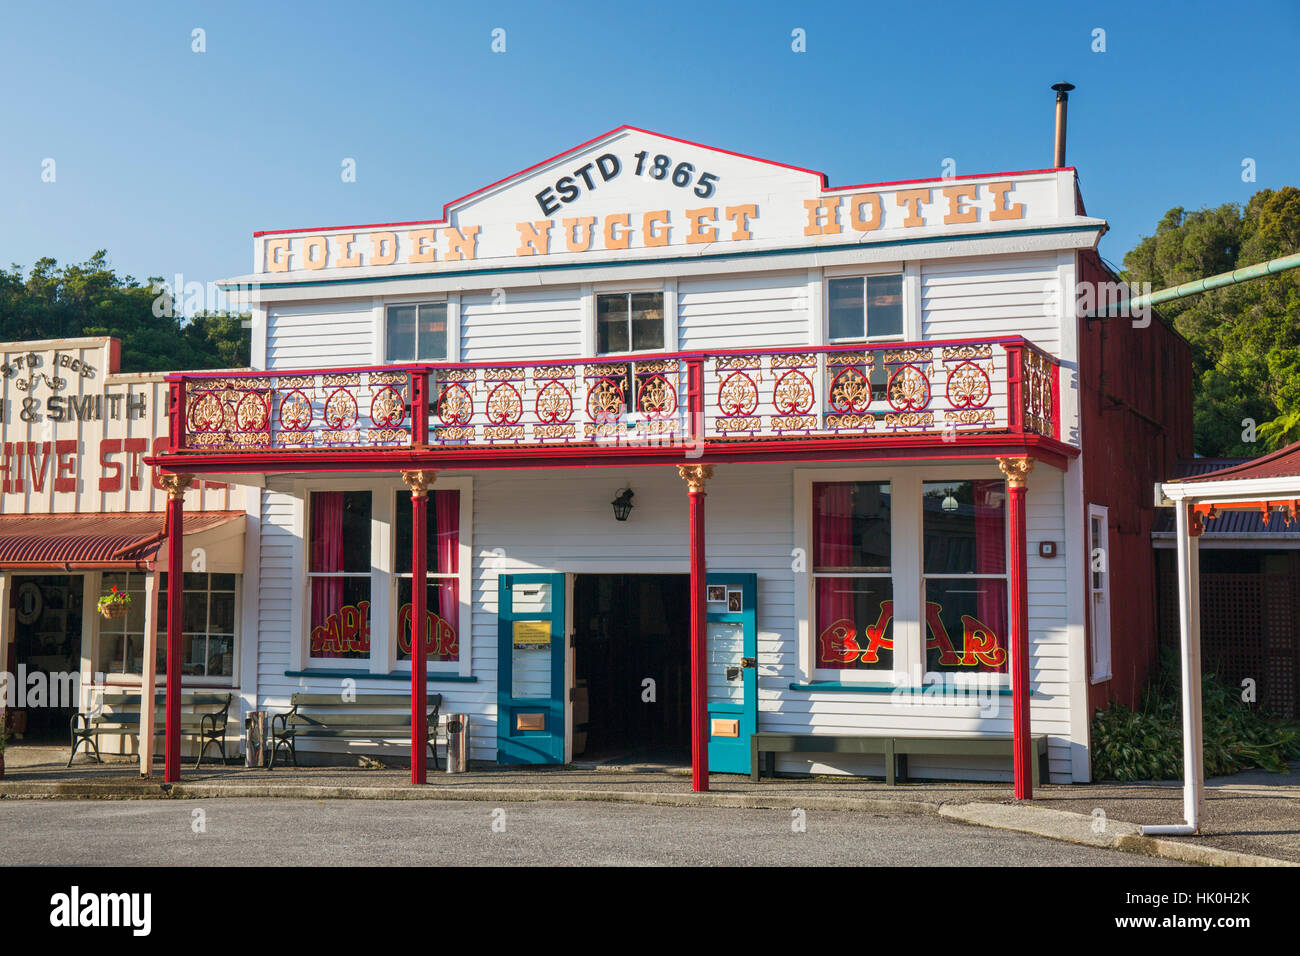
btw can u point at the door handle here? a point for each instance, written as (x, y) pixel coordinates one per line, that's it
(749, 662)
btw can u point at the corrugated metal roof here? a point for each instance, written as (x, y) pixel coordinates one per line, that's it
(94, 539)
(1283, 463)
(1230, 521)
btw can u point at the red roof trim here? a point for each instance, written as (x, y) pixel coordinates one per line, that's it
(92, 539)
(825, 185)
(1283, 463)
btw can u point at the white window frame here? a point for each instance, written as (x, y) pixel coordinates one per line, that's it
(383, 588)
(380, 307)
(864, 274)
(300, 658)
(221, 680)
(903, 567)
(941, 477)
(1099, 624)
(906, 547)
(464, 576)
(667, 288)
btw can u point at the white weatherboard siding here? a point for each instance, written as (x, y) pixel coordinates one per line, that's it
(519, 324)
(757, 310)
(319, 335)
(561, 521)
(968, 298)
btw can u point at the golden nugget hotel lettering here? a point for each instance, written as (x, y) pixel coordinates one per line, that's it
(682, 223)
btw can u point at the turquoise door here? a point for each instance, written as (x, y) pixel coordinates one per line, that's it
(530, 668)
(731, 660)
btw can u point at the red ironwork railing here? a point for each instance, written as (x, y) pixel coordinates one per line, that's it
(944, 387)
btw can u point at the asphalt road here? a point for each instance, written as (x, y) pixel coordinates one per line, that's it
(458, 833)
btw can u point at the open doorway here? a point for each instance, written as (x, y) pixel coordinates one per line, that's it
(45, 655)
(629, 628)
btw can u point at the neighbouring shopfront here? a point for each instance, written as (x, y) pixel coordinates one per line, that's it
(655, 446)
(80, 517)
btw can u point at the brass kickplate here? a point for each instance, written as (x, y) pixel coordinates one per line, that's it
(530, 721)
(725, 728)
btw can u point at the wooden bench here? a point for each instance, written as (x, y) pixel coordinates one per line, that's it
(894, 748)
(330, 717)
(124, 719)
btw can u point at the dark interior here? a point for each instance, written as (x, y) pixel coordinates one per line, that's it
(630, 627)
(47, 638)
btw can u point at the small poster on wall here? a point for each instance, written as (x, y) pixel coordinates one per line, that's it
(735, 604)
(717, 594)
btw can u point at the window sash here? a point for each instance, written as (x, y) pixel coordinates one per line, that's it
(616, 335)
(855, 326)
(413, 342)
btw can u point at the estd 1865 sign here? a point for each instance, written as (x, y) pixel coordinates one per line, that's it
(608, 166)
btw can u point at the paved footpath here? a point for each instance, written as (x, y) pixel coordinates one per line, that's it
(1250, 820)
(461, 833)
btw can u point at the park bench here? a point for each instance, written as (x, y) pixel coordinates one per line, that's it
(894, 748)
(330, 717)
(116, 713)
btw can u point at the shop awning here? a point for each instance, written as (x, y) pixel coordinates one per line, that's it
(101, 540)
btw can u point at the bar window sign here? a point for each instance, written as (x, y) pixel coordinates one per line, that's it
(965, 576)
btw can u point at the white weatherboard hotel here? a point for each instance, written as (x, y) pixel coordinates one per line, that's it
(854, 409)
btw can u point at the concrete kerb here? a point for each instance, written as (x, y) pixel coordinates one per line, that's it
(1100, 832)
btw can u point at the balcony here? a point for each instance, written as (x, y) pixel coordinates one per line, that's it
(726, 402)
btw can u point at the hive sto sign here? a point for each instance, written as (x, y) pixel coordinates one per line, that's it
(74, 432)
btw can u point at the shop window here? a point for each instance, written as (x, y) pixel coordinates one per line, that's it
(207, 625)
(865, 307)
(442, 560)
(853, 589)
(965, 576)
(629, 322)
(121, 639)
(416, 333)
(338, 573)
(1099, 591)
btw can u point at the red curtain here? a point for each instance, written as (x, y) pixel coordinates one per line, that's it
(446, 506)
(991, 558)
(833, 548)
(326, 557)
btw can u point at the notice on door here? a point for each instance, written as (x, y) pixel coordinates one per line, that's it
(532, 633)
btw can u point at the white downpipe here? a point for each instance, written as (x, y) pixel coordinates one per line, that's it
(1189, 631)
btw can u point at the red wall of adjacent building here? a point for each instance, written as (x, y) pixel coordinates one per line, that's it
(1135, 402)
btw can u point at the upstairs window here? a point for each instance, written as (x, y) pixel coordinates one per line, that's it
(866, 307)
(416, 333)
(629, 322)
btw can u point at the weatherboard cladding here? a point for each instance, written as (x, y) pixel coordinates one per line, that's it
(530, 520)
(559, 520)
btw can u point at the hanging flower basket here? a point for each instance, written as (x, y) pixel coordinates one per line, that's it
(114, 604)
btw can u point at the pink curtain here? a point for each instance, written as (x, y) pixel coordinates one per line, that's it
(833, 548)
(446, 505)
(326, 557)
(991, 558)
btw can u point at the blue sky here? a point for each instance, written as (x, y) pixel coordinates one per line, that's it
(170, 159)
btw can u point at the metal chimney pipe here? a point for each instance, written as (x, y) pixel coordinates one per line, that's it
(1062, 101)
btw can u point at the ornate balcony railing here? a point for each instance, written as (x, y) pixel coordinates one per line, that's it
(937, 388)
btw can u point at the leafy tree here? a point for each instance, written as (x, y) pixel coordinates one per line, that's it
(1245, 338)
(90, 298)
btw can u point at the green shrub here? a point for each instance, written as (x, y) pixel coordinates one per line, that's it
(1147, 744)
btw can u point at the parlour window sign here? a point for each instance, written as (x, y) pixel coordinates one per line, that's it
(339, 574)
